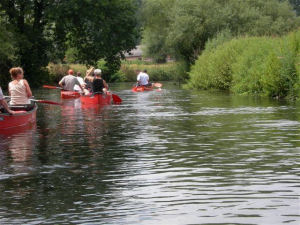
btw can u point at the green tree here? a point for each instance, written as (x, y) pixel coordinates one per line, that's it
(183, 27)
(155, 14)
(296, 5)
(43, 29)
(7, 50)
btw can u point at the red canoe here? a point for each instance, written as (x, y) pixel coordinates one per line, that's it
(142, 88)
(69, 94)
(22, 118)
(97, 99)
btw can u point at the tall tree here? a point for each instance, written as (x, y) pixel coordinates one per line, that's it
(43, 28)
(296, 5)
(184, 27)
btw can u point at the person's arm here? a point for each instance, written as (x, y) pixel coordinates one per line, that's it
(28, 90)
(4, 103)
(105, 84)
(61, 82)
(138, 79)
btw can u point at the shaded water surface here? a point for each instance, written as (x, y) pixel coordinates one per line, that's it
(169, 157)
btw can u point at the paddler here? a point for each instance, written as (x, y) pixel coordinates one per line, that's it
(4, 103)
(99, 85)
(88, 79)
(80, 80)
(143, 79)
(19, 89)
(69, 81)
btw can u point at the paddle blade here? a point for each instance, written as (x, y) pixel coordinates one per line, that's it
(158, 85)
(116, 99)
(48, 102)
(51, 87)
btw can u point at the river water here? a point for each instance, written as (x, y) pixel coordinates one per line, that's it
(168, 157)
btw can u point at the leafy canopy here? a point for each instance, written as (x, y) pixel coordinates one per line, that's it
(43, 29)
(181, 28)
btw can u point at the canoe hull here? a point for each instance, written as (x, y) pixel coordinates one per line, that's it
(97, 99)
(69, 94)
(20, 119)
(142, 89)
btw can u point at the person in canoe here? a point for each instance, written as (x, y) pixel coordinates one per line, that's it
(143, 79)
(69, 81)
(19, 89)
(88, 79)
(4, 104)
(99, 85)
(81, 82)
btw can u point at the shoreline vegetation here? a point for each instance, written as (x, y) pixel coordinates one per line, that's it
(171, 71)
(266, 66)
(245, 47)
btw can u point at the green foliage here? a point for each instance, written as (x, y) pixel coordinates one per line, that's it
(70, 55)
(7, 51)
(156, 18)
(251, 65)
(157, 72)
(181, 28)
(296, 5)
(42, 31)
(57, 71)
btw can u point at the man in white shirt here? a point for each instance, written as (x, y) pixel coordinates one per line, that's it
(143, 79)
(4, 103)
(81, 82)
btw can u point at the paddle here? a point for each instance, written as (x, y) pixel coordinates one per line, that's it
(52, 87)
(158, 85)
(116, 99)
(41, 101)
(46, 102)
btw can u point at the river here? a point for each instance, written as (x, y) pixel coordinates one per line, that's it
(169, 157)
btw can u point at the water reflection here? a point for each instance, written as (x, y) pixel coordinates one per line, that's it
(169, 157)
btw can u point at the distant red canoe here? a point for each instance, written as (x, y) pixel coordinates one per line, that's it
(97, 99)
(22, 118)
(69, 94)
(142, 89)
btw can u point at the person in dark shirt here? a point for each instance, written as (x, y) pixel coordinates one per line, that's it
(99, 85)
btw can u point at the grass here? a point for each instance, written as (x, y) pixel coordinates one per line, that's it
(251, 66)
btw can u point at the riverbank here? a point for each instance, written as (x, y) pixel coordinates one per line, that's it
(268, 66)
(171, 71)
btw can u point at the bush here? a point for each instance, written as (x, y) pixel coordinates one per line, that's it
(128, 71)
(57, 71)
(251, 65)
(157, 72)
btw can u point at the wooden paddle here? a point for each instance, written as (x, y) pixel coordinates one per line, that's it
(52, 87)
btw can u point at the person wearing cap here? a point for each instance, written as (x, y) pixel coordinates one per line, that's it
(99, 85)
(4, 104)
(69, 81)
(143, 79)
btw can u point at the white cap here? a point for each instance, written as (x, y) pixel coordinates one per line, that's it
(97, 71)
